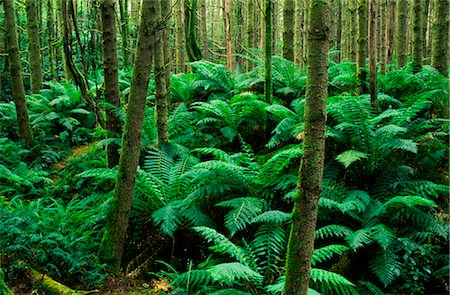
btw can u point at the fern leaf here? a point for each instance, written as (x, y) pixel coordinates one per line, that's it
(233, 272)
(348, 157)
(385, 266)
(329, 282)
(327, 252)
(243, 211)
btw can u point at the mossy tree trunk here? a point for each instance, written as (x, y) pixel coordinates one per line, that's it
(299, 27)
(362, 45)
(268, 10)
(34, 46)
(112, 245)
(162, 50)
(304, 215)
(51, 40)
(15, 68)
(250, 29)
(439, 47)
(179, 38)
(190, 30)
(425, 8)
(339, 31)
(228, 38)
(373, 53)
(417, 47)
(288, 30)
(353, 29)
(383, 36)
(112, 92)
(203, 29)
(390, 31)
(401, 40)
(124, 24)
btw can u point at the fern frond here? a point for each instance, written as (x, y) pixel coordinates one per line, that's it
(330, 283)
(332, 230)
(272, 216)
(243, 211)
(327, 252)
(385, 266)
(233, 272)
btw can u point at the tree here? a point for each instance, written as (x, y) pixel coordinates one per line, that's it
(179, 38)
(439, 55)
(112, 91)
(304, 215)
(124, 21)
(250, 28)
(162, 66)
(190, 30)
(228, 37)
(362, 45)
(400, 36)
(288, 30)
(383, 35)
(373, 53)
(114, 236)
(15, 68)
(34, 47)
(268, 10)
(417, 36)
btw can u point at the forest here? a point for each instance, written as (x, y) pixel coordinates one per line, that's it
(239, 147)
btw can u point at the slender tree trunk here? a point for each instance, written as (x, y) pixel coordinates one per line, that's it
(34, 46)
(268, 10)
(15, 68)
(304, 215)
(401, 40)
(112, 92)
(425, 8)
(299, 27)
(112, 245)
(373, 53)
(417, 36)
(161, 71)
(51, 39)
(362, 45)
(288, 30)
(190, 21)
(339, 31)
(353, 29)
(228, 37)
(179, 37)
(204, 31)
(124, 23)
(390, 31)
(383, 36)
(439, 47)
(305, 30)
(250, 28)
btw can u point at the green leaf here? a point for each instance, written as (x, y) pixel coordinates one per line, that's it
(348, 157)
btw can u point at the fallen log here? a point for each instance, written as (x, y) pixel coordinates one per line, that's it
(48, 284)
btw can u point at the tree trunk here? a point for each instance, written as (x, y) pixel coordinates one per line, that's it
(228, 37)
(179, 37)
(161, 71)
(373, 53)
(112, 92)
(288, 30)
(353, 30)
(48, 284)
(111, 248)
(305, 31)
(34, 47)
(268, 10)
(304, 215)
(383, 36)
(124, 23)
(425, 8)
(15, 68)
(417, 36)
(339, 32)
(362, 45)
(439, 47)
(204, 31)
(190, 30)
(51, 39)
(299, 27)
(250, 28)
(401, 40)
(390, 31)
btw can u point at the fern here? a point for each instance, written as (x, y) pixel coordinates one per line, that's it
(327, 252)
(243, 211)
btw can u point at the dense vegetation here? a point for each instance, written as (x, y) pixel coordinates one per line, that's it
(211, 209)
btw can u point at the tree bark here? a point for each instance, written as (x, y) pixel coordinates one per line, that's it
(228, 37)
(353, 29)
(401, 40)
(179, 37)
(34, 46)
(439, 47)
(339, 31)
(48, 284)
(161, 71)
(362, 45)
(425, 9)
(15, 68)
(390, 31)
(268, 10)
(383, 36)
(111, 248)
(204, 31)
(304, 215)
(373, 54)
(288, 30)
(417, 36)
(124, 23)
(250, 29)
(190, 31)
(112, 91)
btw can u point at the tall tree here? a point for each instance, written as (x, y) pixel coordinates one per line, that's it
(352, 6)
(401, 40)
(373, 53)
(203, 30)
(15, 68)
(112, 92)
(34, 47)
(228, 38)
(390, 30)
(268, 10)
(417, 35)
(299, 28)
(288, 30)
(362, 45)
(190, 30)
(250, 27)
(124, 23)
(439, 48)
(114, 236)
(162, 50)
(179, 37)
(304, 215)
(383, 35)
